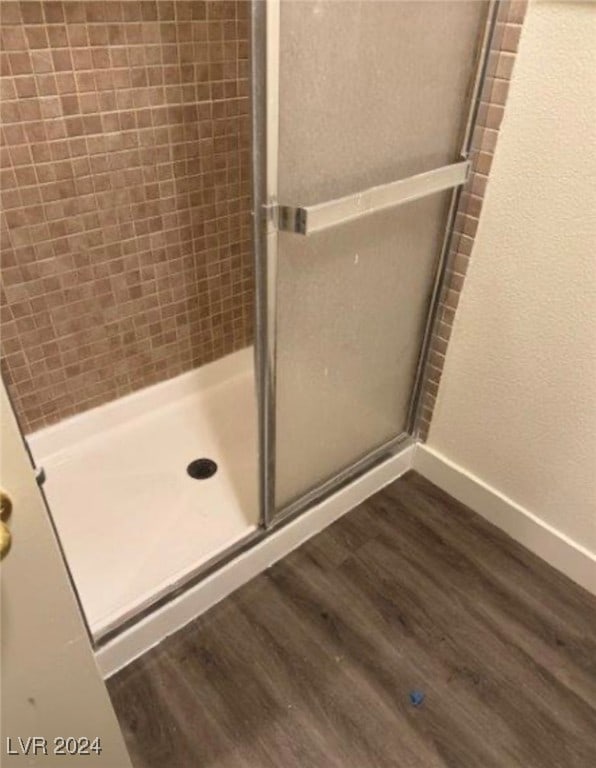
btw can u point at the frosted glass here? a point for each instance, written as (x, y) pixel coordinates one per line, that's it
(352, 303)
(370, 92)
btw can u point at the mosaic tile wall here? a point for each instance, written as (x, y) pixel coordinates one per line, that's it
(500, 68)
(125, 196)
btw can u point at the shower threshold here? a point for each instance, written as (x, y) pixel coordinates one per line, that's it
(132, 522)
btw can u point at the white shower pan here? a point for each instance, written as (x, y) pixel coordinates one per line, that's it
(132, 522)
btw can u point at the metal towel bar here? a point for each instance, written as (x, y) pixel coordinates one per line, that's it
(314, 218)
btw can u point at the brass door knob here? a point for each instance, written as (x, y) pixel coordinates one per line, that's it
(5, 505)
(5, 510)
(5, 539)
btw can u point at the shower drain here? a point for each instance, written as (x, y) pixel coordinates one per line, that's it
(201, 469)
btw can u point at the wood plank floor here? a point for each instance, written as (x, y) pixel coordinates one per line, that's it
(311, 664)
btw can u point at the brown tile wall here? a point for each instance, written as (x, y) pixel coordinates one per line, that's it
(493, 98)
(125, 192)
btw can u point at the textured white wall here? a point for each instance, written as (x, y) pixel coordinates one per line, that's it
(517, 402)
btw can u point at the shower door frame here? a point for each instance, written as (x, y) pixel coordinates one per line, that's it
(265, 41)
(264, 57)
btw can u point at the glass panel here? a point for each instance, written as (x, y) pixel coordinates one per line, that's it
(370, 92)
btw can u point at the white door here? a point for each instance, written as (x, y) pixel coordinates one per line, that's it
(55, 706)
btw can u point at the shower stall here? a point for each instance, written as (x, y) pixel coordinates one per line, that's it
(313, 157)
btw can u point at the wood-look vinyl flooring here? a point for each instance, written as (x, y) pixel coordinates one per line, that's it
(310, 665)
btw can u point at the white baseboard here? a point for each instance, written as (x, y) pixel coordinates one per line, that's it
(535, 534)
(163, 622)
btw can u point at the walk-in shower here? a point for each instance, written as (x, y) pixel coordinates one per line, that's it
(169, 160)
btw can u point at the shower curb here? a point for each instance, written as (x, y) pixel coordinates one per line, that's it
(174, 615)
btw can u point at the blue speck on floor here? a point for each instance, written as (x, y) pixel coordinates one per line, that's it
(416, 698)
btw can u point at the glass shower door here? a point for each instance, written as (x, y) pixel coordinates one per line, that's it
(370, 93)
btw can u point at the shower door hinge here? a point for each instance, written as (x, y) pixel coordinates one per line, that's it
(271, 214)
